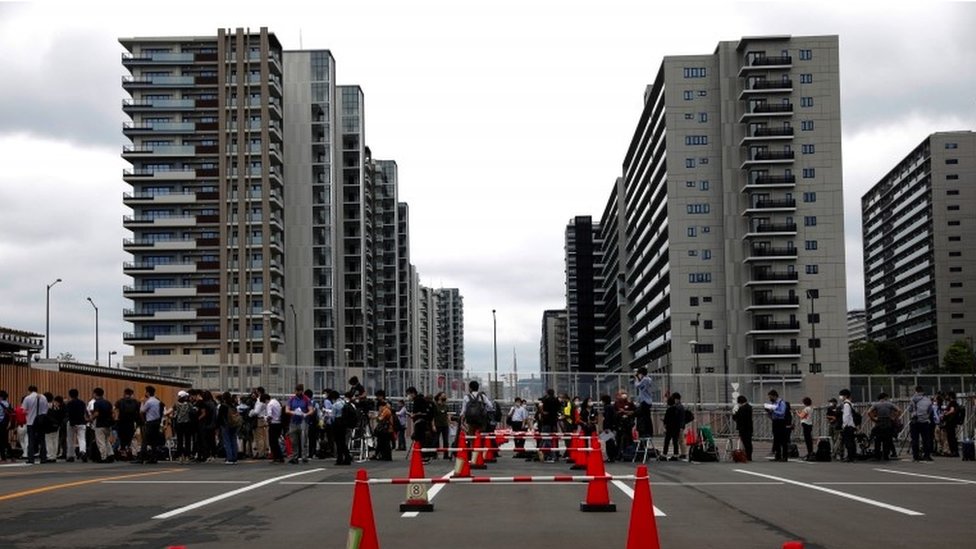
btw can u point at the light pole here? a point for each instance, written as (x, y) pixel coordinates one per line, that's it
(96, 328)
(494, 345)
(294, 334)
(110, 353)
(47, 322)
(812, 295)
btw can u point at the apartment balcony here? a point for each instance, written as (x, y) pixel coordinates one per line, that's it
(158, 151)
(763, 277)
(766, 86)
(766, 63)
(134, 82)
(768, 134)
(142, 105)
(757, 110)
(176, 314)
(142, 244)
(136, 221)
(769, 253)
(137, 337)
(771, 205)
(138, 174)
(762, 301)
(762, 180)
(156, 291)
(768, 157)
(153, 128)
(159, 58)
(768, 327)
(765, 352)
(136, 267)
(771, 229)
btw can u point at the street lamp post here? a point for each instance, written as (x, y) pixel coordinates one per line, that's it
(47, 321)
(110, 353)
(494, 345)
(96, 328)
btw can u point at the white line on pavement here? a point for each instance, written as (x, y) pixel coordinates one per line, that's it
(630, 493)
(176, 482)
(956, 480)
(430, 496)
(326, 483)
(231, 494)
(904, 483)
(837, 493)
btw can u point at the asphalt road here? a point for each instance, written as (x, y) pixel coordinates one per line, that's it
(756, 505)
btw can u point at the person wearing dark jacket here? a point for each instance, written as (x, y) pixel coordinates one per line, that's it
(743, 423)
(674, 422)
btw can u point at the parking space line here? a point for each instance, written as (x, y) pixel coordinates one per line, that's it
(955, 480)
(630, 493)
(230, 494)
(430, 496)
(837, 493)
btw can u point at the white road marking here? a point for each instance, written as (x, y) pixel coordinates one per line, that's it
(231, 494)
(837, 493)
(21, 464)
(865, 483)
(333, 483)
(176, 482)
(630, 493)
(956, 480)
(430, 496)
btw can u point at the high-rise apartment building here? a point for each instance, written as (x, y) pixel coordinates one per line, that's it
(584, 295)
(553, 350)
(207, 199)
(918, 225)
(450, 329)
(857, 328)
(730, 209)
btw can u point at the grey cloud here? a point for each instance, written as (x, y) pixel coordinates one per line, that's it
(71, 92)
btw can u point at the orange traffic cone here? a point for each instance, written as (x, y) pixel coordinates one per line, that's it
(597, 491)
(479, 454)
(580, 459)
(416, 491)
(491, 456)
(793, 545)
(462, 466)
(643, 526)
(362, 526)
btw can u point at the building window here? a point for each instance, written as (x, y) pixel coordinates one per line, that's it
(809, 173)
(810, 244)
(956, 300)
(810, 197)
(692, 232)
(806, 125)
(690, 184)
(953, 208)
(694, 72)
(952, 192)
(813, 318)
(699, 278)
(955, 269)
(704, 348)
(696, 140)
(707, 324)
(806, 78)
(955, 254)
(952, 160)
(813, 269)
(806, 101)
(703, 161)
(689, 162)
(703, 117)
(688, 95)
(707, 299)
(702, 93)
(694, 301)
(955, 284)
(806, 149)
(810, 221)
(698, 208)
(689, 116)
(958, 330)
(954, 223)
(706, 255)
(706, 229)
(704, 185)
(955, 238)
(952, 145)
(692, 253)
(952, 177)
(806, 55)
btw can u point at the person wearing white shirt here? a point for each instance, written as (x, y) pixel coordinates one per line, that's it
(847, 435)
(274, 427)
(35, 406)
(517, 416)
(260, 413)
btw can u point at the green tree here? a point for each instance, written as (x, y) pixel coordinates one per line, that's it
(892, 357)
(958, 358)
(864, 359)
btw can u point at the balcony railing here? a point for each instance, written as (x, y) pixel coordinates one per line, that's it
(766, 61)
(765, 251)
(775, 228)
(763, 108)
(765, 275)
(769, 204)
(777, 350)
(762, 299)
(772, 179)
(771, 84)
(772, 132)
(770, 325)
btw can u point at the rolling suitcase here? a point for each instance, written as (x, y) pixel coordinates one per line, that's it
(968, 450)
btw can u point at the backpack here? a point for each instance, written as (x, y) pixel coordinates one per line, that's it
(234, 420)
(788, 416)
(855, 415)
(689, 416)
(350, 416)
(476, 413)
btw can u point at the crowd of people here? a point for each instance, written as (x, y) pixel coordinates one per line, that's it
(202, 426)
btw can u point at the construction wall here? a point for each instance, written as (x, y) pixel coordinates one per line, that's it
(16, 378)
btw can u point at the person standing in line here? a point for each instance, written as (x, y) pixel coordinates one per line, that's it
(624, 411)
(442, 423)
(778, 414)
(77, 424)
(835, 425)
(343, 406)
(181, 413)
(52, 425)
(328, 420)
(850, 426)
(402, 416)
(806, 422)
(883, 414)
(742, 416)
(228, 421)
(642, 387)
(920, 414)
(151, 412)
(475, 409)
(101, 416)
(422, 415)
(517, 416)
(674, 423)
(384, 429)
(950, 422)
(274, 427)
(35, 406)
(259, 414)
(6, 425)
(298, 408)
(127, 417)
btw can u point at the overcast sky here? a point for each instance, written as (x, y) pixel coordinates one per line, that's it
(506, 119)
